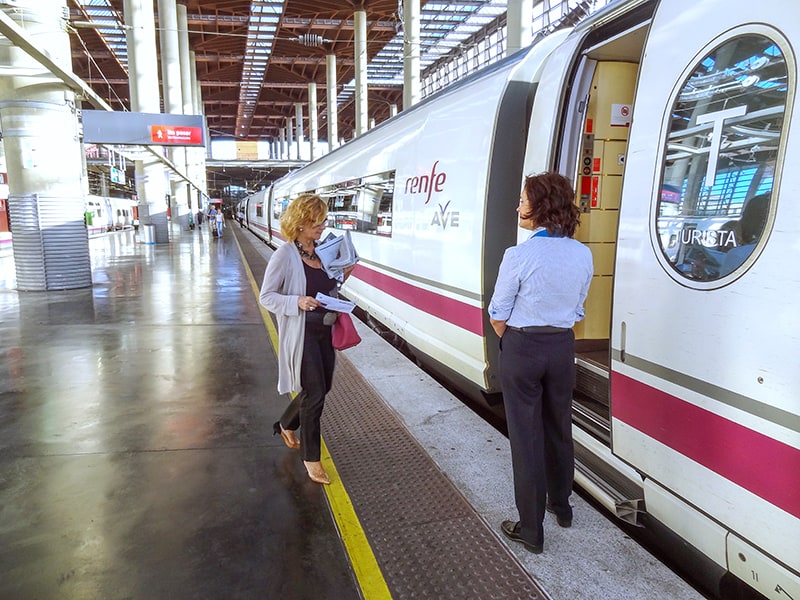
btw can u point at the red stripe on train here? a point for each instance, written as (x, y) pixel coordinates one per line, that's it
(453, 311)
(760, 464)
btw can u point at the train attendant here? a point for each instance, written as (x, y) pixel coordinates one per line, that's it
(538, 297)
(305, 353)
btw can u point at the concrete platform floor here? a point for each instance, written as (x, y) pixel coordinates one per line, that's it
(136, 451)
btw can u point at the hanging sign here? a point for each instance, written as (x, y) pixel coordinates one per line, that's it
(142, 129)
(182, 136)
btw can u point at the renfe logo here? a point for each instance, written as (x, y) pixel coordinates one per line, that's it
(426, 184)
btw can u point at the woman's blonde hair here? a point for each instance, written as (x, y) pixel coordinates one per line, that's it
(305, 210)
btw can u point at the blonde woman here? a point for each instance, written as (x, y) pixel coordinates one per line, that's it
(306, 357)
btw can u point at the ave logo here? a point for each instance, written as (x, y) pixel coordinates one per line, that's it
(427, 185)
(443, 217)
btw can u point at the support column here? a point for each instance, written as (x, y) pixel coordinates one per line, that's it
(313, 126)
(289, 138)
(143, 73)
(360, 33)
(186, 98)
(39, 122)
(411, 59)
(519, 32)
(333, 109)
(198, 154)
(173, 103)
(298, 118)
(282, 143)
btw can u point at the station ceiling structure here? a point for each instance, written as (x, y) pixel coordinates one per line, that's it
(255, 58)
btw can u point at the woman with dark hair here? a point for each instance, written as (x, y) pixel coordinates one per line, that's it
(538, 297)
(306, 357)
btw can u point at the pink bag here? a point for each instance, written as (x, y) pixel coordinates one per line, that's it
(344, 333)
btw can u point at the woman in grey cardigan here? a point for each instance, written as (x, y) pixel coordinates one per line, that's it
(306, 357)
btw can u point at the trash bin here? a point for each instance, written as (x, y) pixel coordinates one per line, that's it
(149, 234)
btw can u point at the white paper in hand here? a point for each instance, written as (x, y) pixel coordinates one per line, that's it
(337, 304)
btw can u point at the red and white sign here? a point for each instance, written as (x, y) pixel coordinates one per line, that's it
(166, 134)
(621, 115)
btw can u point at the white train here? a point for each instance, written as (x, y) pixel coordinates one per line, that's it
(676, 120)
(104, 214)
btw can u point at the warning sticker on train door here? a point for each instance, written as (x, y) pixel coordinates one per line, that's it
(595, 195)
(620, 115)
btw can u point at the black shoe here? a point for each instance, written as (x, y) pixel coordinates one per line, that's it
(511, 531)
(562, 522)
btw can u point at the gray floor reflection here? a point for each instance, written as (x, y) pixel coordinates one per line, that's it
(136, 452)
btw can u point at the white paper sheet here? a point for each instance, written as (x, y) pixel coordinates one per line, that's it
(336, 304)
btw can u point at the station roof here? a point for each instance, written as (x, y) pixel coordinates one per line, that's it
(255, 58)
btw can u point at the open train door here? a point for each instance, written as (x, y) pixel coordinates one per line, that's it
(704, 330)
(589, 77)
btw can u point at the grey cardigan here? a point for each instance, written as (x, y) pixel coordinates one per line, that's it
(284, 282)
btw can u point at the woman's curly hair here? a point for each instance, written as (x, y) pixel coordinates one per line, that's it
(551, 199)
(304, 211)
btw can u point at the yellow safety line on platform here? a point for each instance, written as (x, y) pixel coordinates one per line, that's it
(368, 574)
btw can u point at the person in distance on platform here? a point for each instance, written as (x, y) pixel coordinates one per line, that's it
(306, 357)
(220, 222)
(211, 216)
(539, 294)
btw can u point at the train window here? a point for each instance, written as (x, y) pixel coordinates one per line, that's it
(278, 206)
(720, 160)
(363, 204)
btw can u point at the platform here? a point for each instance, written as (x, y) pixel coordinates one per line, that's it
(137, 458)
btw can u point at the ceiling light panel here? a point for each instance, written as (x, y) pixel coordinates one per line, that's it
(442, 25)
(264, 18)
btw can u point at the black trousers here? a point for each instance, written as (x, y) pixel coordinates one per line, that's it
(316, 377)
(537, 375)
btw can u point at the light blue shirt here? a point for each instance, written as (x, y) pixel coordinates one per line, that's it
(542, 281)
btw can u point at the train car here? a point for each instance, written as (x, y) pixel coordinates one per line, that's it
(683, 338)
(104, 214)
(675, 119)
(257, 218)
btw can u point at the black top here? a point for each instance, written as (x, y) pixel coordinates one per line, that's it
(317, 280)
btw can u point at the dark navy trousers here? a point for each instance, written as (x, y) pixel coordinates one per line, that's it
(537, 375)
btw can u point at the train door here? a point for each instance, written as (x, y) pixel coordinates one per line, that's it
(703, 374)
(589, 132)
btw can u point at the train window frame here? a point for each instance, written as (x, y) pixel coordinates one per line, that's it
(348, 203)
(726, 275)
